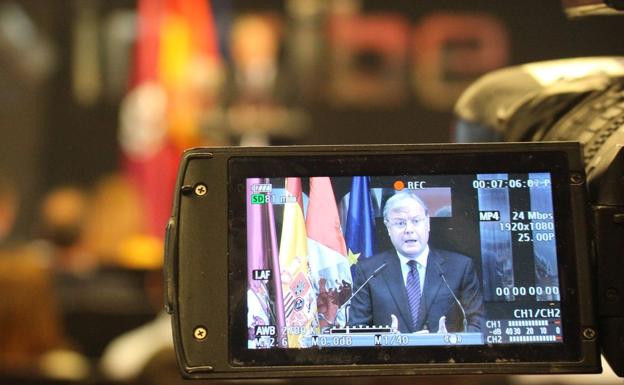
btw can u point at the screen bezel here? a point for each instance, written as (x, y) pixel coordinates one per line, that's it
(389, 164)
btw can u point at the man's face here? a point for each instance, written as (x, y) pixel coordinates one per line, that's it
(408, 228)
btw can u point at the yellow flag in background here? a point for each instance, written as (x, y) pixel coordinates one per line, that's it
(299, 297)
(189, 67)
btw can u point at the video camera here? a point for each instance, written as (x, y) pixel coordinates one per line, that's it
(287, 261)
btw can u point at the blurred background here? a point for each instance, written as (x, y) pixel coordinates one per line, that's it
(98, 99)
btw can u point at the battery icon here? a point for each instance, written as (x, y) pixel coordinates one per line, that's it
(258, 199)
(262, 188)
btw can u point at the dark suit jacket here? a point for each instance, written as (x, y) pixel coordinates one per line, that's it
(385, 294)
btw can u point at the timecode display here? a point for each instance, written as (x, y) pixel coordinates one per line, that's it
(530, 290)
(510, 183)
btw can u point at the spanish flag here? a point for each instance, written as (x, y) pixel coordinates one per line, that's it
(299, 296)
(176, 59)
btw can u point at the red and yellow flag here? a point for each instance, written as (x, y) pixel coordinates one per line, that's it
(176, 64)
(299, 296)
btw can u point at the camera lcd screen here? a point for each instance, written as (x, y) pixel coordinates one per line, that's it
(402, 258)
(392, 261)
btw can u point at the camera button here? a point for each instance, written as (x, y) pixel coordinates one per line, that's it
(168, 276)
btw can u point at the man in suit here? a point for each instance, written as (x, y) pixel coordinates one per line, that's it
(414, 282)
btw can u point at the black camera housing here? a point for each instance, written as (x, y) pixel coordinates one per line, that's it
(585, 106)
(206, 263)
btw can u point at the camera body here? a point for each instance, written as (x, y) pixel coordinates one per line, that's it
(584, 102)
(259, 285)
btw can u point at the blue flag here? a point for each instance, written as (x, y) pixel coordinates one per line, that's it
(360, 231)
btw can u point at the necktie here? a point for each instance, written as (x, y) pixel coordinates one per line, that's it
(413, 292)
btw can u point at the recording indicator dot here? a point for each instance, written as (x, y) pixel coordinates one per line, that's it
(399, 185)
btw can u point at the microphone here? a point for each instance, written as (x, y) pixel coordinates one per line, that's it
(348, 301)
(454, 297)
